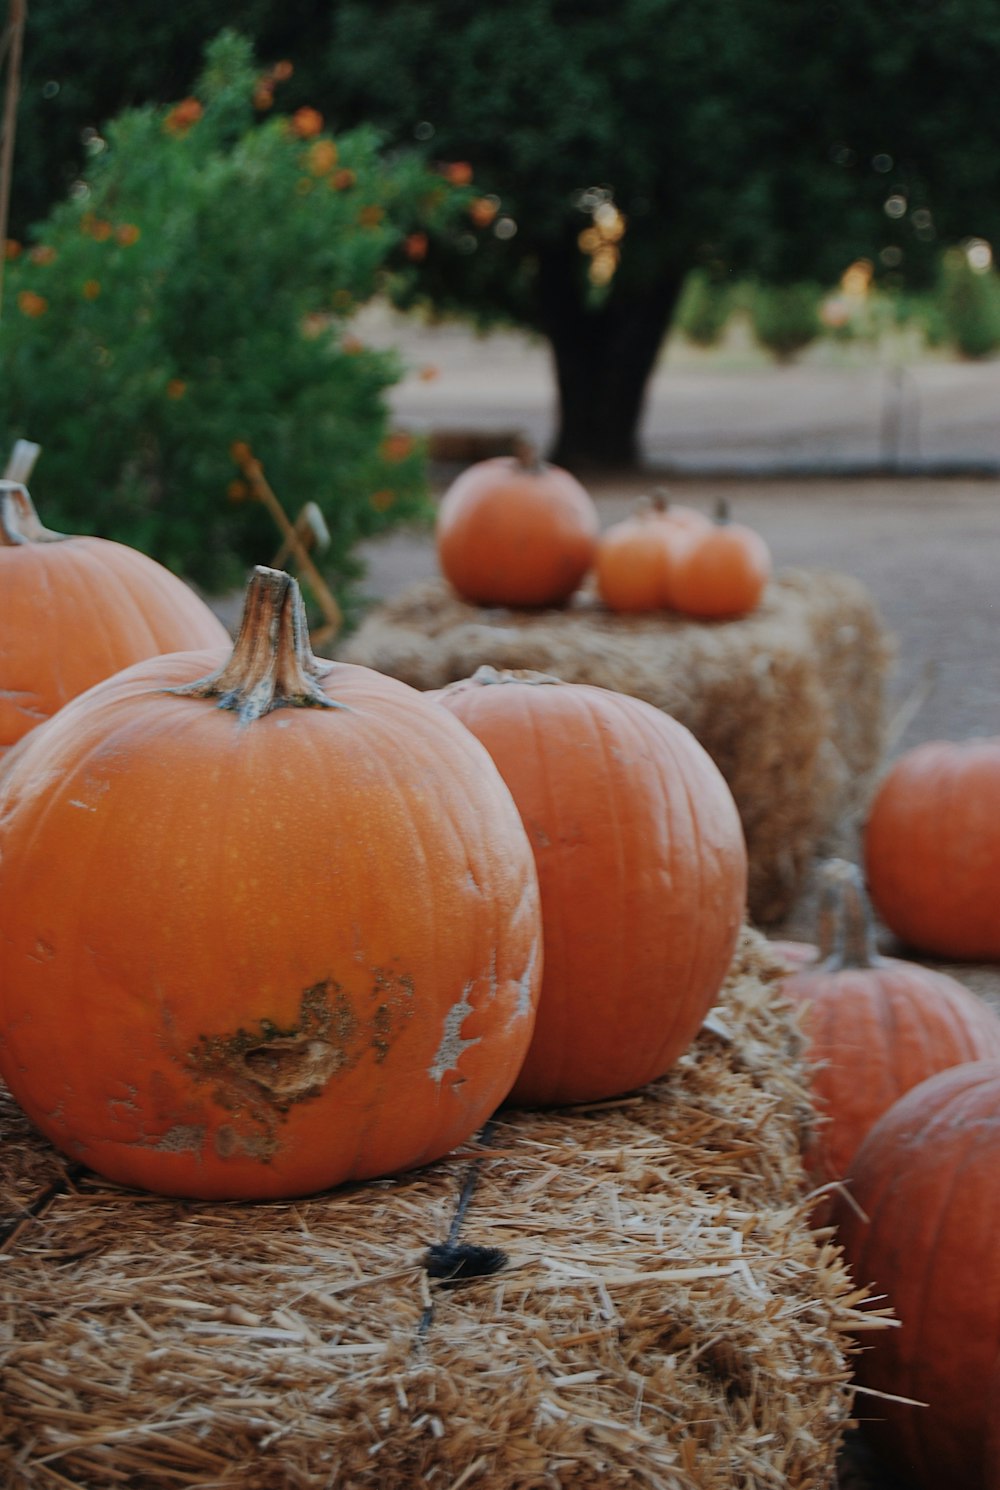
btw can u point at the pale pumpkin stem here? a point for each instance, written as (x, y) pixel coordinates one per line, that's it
(272, 665)
(722, 513)
(487, 674)
(19, 522)
(846, 924)
(527, 456)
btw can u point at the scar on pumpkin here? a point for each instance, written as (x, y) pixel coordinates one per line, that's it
(269, 1068)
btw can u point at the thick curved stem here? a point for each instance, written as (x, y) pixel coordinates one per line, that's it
(846, 924)
(19, 522)
(272, 665)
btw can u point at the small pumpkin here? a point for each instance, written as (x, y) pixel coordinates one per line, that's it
(633, 563)
(720, 574)
(932, 848)
(75, 610)
(920, 1227)
(643, 871)
(875, 1026)
(516, 531)
(267, 923)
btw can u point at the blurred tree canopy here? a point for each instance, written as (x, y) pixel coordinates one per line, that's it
(616, 148)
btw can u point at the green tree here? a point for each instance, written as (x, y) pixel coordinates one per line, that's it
(191, 302)
(749, 137)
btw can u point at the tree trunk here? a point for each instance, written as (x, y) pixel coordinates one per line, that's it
(603, 360)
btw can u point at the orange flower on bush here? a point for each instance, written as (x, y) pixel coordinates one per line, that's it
(382, 500)
(182, 116)
(458, 172)
(263, 97)
(30, 304)
(176, 388)
(415, 246)
(282, 71)
(370, 217)
(306, 123)
(11, 248)
(127, 234)
(341, 180)
(240, 452)
(43, 253)
(95, 227)
(352, 346)
(237, 491)
(396, 446)
(321, 157)
(91, 289)
(483, 210)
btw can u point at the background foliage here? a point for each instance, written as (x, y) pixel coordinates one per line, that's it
(193, 292)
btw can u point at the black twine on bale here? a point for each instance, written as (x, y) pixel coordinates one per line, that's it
(452, 1261)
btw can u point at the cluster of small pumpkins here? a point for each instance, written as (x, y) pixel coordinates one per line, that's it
(270, 923)
(517, 531)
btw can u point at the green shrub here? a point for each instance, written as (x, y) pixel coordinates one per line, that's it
(785, 318)
(970, 305)
(703, 309)
(195, 291)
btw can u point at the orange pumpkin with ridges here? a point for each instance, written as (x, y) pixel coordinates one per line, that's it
(267, 923)
(920, 1229)
(75, 610)
(642, 866)
(875, 1026)
(634, 559)
(932, 848)
(516, 531)
(722, 573)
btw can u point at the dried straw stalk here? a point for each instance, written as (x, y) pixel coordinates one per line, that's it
(664, 1319)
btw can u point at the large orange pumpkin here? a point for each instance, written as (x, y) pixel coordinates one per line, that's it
(932, 848)
(261, 931)
(921, 1228)
(875, 1027)
(516, 531)
(642, 866)
(75, 610)
(634, 560)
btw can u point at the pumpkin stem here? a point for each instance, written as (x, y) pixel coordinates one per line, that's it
(487, 674)
(527, 456)
(272, 665)
(19, 522)
(846, 924)
(723, 514)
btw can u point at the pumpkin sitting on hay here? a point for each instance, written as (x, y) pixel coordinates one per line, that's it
(267, 923)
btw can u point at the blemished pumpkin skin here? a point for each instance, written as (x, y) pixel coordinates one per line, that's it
(515, 531)
(642, 866)
(722, 573)
(633, 563)
(264, 931)
(73, 611)
(875, 1027)
(932, 848)
(920, 1228)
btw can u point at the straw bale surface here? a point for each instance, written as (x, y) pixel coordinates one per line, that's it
(788, 701)
(664, 1317)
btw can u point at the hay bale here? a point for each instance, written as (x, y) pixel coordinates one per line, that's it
(664, 1318)
(789, 701)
